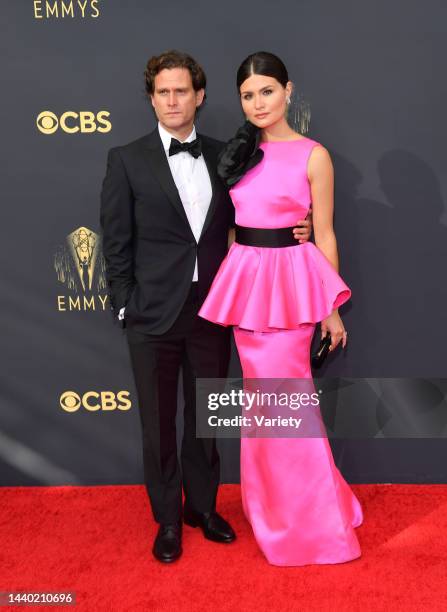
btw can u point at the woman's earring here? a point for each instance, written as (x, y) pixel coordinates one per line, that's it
(288, 100)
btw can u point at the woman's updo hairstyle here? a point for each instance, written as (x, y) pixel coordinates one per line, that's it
(242, 152)
(265, 64)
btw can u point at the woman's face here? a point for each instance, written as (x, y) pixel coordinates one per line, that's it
(263, 99)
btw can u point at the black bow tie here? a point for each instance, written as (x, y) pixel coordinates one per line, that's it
(194, 147)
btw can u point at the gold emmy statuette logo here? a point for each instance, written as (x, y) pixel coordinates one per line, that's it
(60, 9)
(80, 266)
(94, 401)
(72, 122)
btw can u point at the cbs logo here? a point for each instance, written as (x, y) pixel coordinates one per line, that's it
(94, 401)
(71, 122)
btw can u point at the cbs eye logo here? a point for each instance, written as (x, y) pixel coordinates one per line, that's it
(71, 122)
(70, 401)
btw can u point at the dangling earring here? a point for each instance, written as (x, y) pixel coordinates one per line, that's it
(288, 100)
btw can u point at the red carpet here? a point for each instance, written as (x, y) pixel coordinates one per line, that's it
(97, 542)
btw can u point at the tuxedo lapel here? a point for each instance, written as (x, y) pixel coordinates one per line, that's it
(159, 166)
(210, 157)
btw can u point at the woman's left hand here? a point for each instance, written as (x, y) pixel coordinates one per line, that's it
(334, 325)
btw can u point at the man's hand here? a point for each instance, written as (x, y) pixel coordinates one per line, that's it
(304, 228)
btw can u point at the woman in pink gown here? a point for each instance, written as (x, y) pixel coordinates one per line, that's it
(274, 290)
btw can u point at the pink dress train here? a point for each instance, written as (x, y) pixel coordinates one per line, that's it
(301, 509)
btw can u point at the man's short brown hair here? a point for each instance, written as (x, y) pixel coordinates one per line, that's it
(173, 59)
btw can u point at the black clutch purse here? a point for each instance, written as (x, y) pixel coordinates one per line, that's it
(322, 351)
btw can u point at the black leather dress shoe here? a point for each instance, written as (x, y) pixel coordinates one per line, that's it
(214, 527)
(168, 543)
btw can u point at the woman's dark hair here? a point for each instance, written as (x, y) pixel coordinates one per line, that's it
(265, 64)
(242, 152)
(173, 59)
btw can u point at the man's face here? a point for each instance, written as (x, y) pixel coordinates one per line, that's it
(174, 99)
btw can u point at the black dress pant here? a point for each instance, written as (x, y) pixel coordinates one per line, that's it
(202, 350)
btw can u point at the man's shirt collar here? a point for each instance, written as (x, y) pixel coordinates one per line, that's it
(166, 136)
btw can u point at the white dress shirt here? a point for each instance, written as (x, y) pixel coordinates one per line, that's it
(193, 184)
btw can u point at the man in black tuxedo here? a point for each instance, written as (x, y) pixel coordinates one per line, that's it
(165, 217)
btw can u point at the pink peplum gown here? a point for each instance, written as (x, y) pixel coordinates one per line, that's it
(301, 509)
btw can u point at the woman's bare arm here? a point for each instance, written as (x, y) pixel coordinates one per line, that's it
(321, 177)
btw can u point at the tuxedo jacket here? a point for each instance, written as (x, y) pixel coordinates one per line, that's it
(148, 245)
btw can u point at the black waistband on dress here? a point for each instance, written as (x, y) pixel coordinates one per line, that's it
(260, 237)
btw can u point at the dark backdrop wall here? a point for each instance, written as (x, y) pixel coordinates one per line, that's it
(72, 88)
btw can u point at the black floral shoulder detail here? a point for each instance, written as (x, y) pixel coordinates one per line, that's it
(240, 154)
